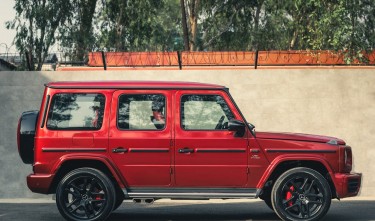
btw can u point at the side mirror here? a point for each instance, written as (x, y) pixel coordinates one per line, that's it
(252, 129)
(237, 126)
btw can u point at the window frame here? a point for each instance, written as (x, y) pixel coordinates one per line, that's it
(74, 128)
(153, 130)
(192, 94)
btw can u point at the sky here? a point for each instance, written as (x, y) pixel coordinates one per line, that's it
(6, 36)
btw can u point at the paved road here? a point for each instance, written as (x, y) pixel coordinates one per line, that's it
(166, 210)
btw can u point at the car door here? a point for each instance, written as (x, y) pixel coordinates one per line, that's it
(206, 153)
(140, 137)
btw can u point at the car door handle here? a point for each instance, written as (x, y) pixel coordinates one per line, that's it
(186, 150)
(119, 150)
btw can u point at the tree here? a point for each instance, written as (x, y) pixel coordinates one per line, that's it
(128, 25)
(36, 23)
(338, 25)
(191, 25)
(231, 25)
(76, 34)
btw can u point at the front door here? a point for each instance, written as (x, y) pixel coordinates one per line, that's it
(140, 137)
(206, 153)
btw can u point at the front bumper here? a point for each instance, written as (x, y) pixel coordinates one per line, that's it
(347, 184)
(39, 183)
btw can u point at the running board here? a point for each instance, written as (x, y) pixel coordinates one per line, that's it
(192, 193)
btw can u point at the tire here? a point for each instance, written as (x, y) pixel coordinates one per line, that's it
(85, 194)
(301, 194)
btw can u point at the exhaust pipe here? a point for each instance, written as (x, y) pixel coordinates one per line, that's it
(144, 200)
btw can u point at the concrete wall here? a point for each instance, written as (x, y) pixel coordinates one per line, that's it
(328, 101)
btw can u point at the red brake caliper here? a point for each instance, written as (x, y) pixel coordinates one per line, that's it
(98, 197)
(289, 195)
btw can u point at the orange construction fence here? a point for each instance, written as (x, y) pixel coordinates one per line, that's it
(225, 58)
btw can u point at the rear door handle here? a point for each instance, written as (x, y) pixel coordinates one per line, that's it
(119, 150)
(186, 150)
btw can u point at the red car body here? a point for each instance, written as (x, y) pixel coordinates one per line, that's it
(174, 158)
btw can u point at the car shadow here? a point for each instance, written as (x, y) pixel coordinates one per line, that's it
(354, 210)
(201, 211)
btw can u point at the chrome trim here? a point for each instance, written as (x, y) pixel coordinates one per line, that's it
(192, 195)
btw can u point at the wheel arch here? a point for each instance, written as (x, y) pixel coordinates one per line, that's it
(69, 163)
(282, 164)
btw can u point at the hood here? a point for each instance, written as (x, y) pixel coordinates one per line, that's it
(298, 137)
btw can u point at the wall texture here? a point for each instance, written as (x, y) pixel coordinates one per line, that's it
(329, 101)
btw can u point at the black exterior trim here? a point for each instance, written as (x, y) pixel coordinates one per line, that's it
(56, 150)
(149, 150)
(192, 193)
(299, 151)
(219, 151)
(45, 111)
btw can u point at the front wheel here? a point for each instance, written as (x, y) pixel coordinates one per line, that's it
(85, 194)
(301, 194)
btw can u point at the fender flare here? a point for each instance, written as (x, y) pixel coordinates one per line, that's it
(96, 157)
(283, 158)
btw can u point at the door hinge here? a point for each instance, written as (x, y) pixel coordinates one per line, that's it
(171, 143)
(247, 170)
(171, 170)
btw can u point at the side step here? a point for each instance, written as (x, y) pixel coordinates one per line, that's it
(192, 193)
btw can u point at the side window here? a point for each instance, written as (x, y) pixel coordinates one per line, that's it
(204, 112)
(141, 112)
(76, 112)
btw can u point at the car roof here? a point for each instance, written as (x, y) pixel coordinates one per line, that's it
(131, 85)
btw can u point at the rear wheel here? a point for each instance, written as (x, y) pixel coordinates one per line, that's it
(85, 194)
(301, 194)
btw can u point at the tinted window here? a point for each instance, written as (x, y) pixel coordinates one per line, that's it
(76, 111)
(141, 112)
(204, 112)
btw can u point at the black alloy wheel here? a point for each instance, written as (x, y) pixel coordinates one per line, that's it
(85, 194)
(301, 194)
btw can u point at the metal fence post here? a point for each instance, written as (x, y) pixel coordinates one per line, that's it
(28, 60)
(179, 59)
(256, 59)
(104, 61)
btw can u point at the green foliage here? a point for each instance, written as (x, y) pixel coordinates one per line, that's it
(76, 35)
(81, 26)
(138, 25)
(36, 23)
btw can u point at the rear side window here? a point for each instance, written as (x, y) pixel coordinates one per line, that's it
(76, 112)
(141, 112)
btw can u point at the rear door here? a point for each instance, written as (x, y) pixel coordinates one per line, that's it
(140, 137)
(206, 153)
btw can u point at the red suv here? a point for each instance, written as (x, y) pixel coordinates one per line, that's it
(95, 144)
